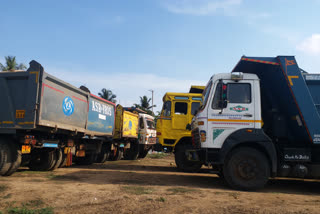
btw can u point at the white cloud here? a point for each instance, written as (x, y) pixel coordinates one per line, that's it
(200, 7)
(127, 86)
(310, 45)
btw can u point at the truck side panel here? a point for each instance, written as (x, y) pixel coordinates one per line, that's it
(303, 98)
(101, 115)
(285, 98)
(62, 105)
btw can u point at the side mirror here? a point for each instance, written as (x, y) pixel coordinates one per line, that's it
(188, 127)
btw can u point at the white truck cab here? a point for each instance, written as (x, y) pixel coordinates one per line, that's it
(259, 121)
(231, 102)
(147, 134)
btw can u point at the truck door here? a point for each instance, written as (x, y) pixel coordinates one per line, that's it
(180, 117)
(231, 109)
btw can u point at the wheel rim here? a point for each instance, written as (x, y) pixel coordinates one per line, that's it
(246, 169)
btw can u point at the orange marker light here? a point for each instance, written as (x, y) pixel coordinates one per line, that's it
(200, 123)
(249, 130)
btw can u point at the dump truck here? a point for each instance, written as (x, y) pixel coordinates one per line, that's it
(172, 133)
(147, 134)
(141, 142)
(44, 122)
(125, 135)
(259, 121)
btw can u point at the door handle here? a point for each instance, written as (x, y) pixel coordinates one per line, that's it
(247, 115)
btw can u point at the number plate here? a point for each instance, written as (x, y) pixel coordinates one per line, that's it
(25, 149)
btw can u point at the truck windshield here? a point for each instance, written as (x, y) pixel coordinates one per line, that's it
(150, 124)
(205, 94)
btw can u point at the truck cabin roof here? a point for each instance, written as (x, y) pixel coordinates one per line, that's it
(180, 96)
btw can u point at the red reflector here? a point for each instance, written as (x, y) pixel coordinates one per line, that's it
(158, 133)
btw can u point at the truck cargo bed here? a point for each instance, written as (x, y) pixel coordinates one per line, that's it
(36, 100)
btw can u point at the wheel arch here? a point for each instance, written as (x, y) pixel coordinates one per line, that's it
(256, 139)
(183, 141)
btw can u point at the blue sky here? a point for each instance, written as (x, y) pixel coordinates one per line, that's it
(131, 46)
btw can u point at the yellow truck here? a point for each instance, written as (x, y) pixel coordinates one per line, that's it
(125, 136)
(133, 137)
(173, 131)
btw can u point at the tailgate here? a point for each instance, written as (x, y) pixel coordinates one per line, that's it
(130, 124)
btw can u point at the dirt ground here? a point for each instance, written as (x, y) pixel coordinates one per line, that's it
(147, 186)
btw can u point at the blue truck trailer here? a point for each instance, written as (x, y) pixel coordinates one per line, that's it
(44, 122)
(261, 120)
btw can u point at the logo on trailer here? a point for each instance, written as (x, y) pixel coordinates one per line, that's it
(68, 106)
(238, 109)
(130, 125)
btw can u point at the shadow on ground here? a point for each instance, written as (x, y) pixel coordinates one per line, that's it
(169, 176)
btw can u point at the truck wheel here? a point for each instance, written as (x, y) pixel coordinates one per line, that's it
(5, 155)
(183, 163)
(143, 153)
(58, 154)
(116, 154)
(104, 154)
(42, 159)
(15, 159)
(132, 153)
(246, 169)
(63, 161)
(89, 159)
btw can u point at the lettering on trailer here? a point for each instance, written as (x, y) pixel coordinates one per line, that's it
(316, 138)
(68, 106)
(101, 108)
(297, 157)
(238, 108)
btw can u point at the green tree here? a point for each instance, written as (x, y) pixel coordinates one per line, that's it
(11, 64)
(145, 105)
(108, 95)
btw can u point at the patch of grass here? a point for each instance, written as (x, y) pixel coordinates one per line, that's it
(218, 193)
(37, 180)
(157, 155)
(24, 210)
(34, 203)
(32, 172)
(235, 195)
(162, 199)
(178, 190)
(137, 190)
(7, 196)
(3, 187)
(63, 177)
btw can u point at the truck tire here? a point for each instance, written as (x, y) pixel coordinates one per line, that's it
(104, 154)
(15, 159)
(246, 169)
(5, 155)
(116, 154)
(64, 159)
(58, 154)
(42, 159)
(89, 159)
(143, 153)
(183, 163)
(132, 153)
